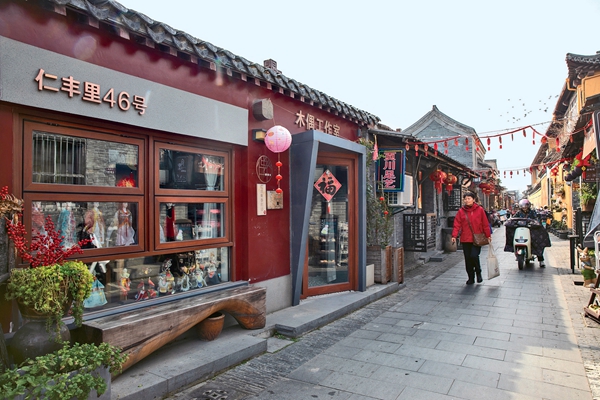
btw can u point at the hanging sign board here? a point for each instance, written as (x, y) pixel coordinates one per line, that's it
(390, 169)
(261, 199)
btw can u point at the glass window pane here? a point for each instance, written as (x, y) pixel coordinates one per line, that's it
(191, 171)
(107, 224)
(126, 281)
(83, 161)
(191, 221)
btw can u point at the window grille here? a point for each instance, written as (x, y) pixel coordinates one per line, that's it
(58, 159)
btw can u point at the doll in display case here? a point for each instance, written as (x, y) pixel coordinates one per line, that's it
(123, 224)
(125, 283)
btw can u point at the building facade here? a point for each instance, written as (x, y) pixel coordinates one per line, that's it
(151, 143)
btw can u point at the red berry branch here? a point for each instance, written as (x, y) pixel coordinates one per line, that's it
(45, 249)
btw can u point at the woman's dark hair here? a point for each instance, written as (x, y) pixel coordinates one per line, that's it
(470, 194)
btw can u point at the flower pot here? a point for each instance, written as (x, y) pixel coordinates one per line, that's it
(588, 206)
(211, 327)
(35, 337)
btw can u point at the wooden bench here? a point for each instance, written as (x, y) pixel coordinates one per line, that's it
(140, 332)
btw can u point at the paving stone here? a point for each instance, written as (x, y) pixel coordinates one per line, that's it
(519, 336)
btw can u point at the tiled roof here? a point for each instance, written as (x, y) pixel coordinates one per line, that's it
(581, 66)
(137, 27)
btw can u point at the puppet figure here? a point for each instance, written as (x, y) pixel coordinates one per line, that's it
(587, 267)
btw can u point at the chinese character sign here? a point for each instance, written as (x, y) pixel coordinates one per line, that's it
(91, 92)
(390, 170)
(327, 185)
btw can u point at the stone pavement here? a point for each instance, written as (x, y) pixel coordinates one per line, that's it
(519, 336)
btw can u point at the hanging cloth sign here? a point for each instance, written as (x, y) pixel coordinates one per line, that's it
(390, 169)
(327, 185)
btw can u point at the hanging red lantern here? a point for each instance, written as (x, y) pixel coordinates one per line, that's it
(438, 177)
(489, 142)
(435, 148)
(407, 147)
(500, 139)
(544, 139)
(557, 144)
(456, 141)
(449, 181)
(278, 139)
(416, 150)
(554, 173)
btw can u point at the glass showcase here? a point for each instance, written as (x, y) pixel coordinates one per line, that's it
(190, 171)
(126, 281)
(93, 184)
(105, 224)
(191, 221)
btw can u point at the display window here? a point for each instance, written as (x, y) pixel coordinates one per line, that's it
(109, 226)
(155, 229)
(191, 221)
(183, 170)
(123, 282)
(58, 156)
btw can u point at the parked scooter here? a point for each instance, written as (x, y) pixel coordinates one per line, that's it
(522, 241)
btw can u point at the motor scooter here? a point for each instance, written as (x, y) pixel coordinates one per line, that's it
(522, 241)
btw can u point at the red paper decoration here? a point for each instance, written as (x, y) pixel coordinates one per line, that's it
(449, 181)
(278, 139)
(438, 177)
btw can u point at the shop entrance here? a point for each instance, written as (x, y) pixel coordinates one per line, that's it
(330, 264)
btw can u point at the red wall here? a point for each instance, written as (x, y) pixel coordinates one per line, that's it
(262, 243)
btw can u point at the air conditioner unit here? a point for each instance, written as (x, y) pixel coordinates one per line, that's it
(405, 198)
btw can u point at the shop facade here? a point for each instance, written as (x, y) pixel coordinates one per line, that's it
(150, 143)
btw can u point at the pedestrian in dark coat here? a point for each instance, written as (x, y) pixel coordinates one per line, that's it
(479, 224)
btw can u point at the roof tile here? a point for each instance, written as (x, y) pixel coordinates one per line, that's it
(113, 13)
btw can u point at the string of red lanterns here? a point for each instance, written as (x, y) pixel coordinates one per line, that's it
(477, 142)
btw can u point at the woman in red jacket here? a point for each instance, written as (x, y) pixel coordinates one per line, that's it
(479, 224)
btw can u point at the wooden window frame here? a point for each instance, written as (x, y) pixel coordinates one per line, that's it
(78, 132)
(158, 191)
(29, 198)
(198, 244)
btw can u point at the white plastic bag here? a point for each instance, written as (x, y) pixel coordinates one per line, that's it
(492, 263)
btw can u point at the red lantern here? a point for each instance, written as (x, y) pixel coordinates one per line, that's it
(450, 181)
(278, 139)
(438, 177)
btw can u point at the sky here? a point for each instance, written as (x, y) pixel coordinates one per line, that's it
(494, 66)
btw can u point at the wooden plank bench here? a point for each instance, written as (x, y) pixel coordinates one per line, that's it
(140, 332)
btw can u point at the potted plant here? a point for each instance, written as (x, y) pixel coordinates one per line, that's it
(48, 288)
(588, 194)
(74, 371)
